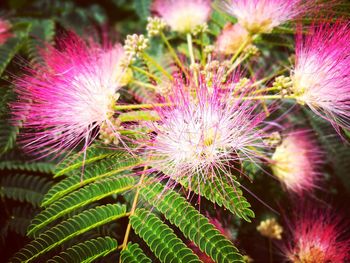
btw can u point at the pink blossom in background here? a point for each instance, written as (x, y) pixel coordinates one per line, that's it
(296, 161)
(203, 135)
(183, 15)
(4, 31)
(231, 38)
(316, 236)
(261, 16)
(322, 74)
(64, 99)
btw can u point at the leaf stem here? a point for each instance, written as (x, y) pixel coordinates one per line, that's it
(143, 84)
(190, 51)
(140, 106)
(144, 72)
(172, 51)
(133, 208)
(149, 59)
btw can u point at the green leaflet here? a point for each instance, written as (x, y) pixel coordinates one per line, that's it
(133, 254)
(68, 229)
(161, 238)
(77, 160)
(41, 167)
(80, 198)
(8, 51)
(142, 8)
(105, 168)
(194, 226)
(224, 193)
(8, 136)
(87, 252)
(24, 188)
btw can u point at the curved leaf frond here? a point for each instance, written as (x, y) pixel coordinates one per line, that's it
(77, 160)
(69, 229)
(92, 173)
(80, 198)
(223, 193)
(160, 238)
(133, 254)
(194, 226)
(87, 252)
(24, 188)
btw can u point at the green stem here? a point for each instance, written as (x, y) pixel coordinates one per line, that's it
(190, 48)
(157, 65)
(143, 84)
(268, 77)
(269, 97)
(144, 72)
(140, 106)
(190, 51)
(172, 52)
(133, 208)
(239, 51)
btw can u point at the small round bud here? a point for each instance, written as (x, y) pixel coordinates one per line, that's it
(199, 29)
(154, 26)
(270, 228)
(135, 45)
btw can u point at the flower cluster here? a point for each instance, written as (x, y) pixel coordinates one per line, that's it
(261, 16)
(296, 161)
(62, 101)
(200, 136)
(183, 15)
(321, 78)
(316, 236)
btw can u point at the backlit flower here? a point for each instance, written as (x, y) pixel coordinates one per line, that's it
(231, 38)
(4, 31)
(63, 100)
(203, 134)
(321, 77)
(261, 16)
(317, 238)
(183, 15)
(295, 161)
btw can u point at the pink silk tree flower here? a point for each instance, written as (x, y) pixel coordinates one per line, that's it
(4, 31)
(296, 162)
(261, 16)
(63, 100)
(321, 77)
(316, 237)
(202, 135)
(183, 15)
(231, 38)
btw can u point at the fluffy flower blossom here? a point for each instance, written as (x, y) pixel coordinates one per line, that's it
(203, 135)
(321, 77)
(295, 161)
(231, 38)
(261, 16)
(183, 15)
(64, 99)
(316, 238)
(4, 31)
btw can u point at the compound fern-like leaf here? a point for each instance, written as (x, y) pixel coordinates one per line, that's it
(87, 252)
(24, 188)
(80, 198)
(69, 229)
(161, 238)
(223, 193)
(194, 226)
(133, 254)
(77, 160)
(101, 170)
